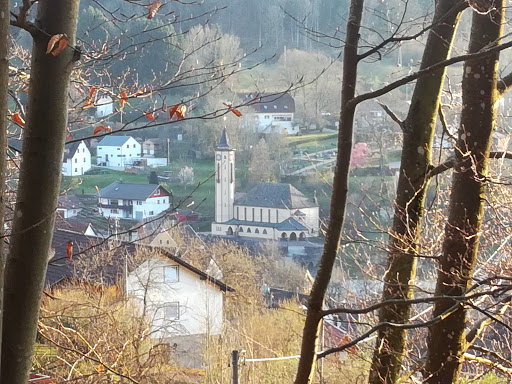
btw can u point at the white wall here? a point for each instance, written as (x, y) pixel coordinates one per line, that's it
(147, 208)
(200, 302)
(80, 163)
(104, 106)
(277, 119)
(119, 156)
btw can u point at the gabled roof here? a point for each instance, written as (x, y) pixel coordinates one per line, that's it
(60, 268)
(269, 102)
(69, 202)
(202, 275)
(129, 191)
(69, 149)
(275, 195)
(113, 141)
(290, 224)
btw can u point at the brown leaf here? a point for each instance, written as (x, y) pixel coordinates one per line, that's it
(57, 44)
(153, 8)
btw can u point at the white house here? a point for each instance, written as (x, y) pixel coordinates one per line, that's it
(104, 106)
(180, 299)
(268, 211)
(275, 112)
(69, 206)
(77, 159)
(117, 151)
(131, 200)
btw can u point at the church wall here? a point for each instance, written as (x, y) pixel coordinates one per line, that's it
(311, 219)
(261, 214)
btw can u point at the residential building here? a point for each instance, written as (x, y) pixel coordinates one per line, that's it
(268, 211)
(77, 159)
(68, 206)
(131, 200)
(117, 151)
(274, 112)
(180, 298)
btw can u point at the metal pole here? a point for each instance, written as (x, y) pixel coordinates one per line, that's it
(234, 363)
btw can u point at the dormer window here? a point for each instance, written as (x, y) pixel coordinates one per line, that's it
(265, 107)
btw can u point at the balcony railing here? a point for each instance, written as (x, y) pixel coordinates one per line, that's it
(128, 208)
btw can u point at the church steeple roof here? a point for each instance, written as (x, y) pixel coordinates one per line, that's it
(223, 142)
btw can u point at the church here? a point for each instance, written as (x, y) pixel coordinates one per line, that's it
(272, 211)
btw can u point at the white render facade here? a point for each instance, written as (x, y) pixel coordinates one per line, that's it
(178, 301)
(78, 162)
(132, 201)
(117, 151)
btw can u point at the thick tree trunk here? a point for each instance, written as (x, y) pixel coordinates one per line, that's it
(416, 159)
(40, 175)
(447, 340)
(338, 200)
(4, 89)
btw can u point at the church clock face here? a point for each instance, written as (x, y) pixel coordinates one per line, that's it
(218, 156)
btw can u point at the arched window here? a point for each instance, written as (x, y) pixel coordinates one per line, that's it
(284, 236)
(264, 231)
(232, 174)
(240, 229)
(249, 230)
(230, 231)
(218, 172)
(302, 236)
(256, 230)
(293, 236)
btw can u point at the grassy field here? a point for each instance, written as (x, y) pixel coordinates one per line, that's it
(314, 142)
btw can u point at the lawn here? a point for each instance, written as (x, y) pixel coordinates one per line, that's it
(314, 142)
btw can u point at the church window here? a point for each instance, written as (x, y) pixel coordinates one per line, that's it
(249, 230)
(269, 215)
(238, 212)
(241, 229)
(264, 231)
(245, 214)
(232, 174)
(218, 172)
(277, 215)
(256, 230)
(293, 236)
(252, 218)
(261, 214)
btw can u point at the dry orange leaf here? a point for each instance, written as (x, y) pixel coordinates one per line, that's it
(100, 128)
(16, 117)
(57, 44)
(92, 91)
(172, 111)
(180, 112)
(69, 249)
(153, 8)
(237, 112)
(150, 116)
(123, 99)
(69, 137)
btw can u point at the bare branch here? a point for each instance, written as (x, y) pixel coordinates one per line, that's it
(391, 114)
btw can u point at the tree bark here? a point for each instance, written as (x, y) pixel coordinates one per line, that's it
(338, 200)
(447, 339)
(40, 176)
(5, 6)
(419, 127)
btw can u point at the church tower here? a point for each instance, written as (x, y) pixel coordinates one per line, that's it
(224, 180)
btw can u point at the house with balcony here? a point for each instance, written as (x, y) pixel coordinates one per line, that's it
(274, 112)
(132, 200)
(117, 151)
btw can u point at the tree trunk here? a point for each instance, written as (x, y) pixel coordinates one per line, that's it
(40, 176)
(4, 90)
(447, 341)
(419, 128)
(338, 200)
